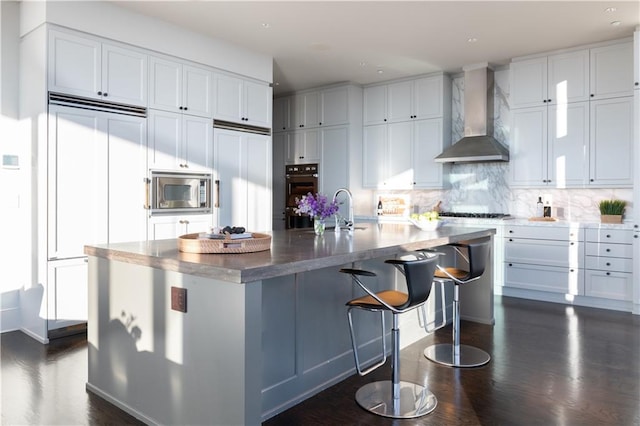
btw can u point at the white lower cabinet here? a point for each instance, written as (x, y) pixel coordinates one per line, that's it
(66, 293)
(609, 264)
(545, 259)
(168, 227)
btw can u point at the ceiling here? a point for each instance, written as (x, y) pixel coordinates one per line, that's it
(324, 42)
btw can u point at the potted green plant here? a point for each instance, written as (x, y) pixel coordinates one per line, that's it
(611, 211)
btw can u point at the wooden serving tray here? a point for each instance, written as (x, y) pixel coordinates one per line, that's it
(190, 243)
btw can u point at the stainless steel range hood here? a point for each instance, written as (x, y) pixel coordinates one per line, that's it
(478, 144)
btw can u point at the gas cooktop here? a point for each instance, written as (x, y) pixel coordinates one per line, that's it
(476, 215)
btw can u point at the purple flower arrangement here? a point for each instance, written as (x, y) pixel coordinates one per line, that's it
(317, 206)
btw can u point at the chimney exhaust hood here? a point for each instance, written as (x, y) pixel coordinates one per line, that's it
(477, 145)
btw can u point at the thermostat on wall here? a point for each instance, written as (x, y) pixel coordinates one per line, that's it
(10, 162)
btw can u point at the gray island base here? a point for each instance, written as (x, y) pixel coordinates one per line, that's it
(261, 332)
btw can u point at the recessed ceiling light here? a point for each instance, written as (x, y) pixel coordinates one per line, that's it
(472, 39)
(363, 64)
(265, 25)
(616, 23)
(610, 9)
(380, 72)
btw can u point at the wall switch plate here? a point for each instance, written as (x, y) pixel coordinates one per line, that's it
(179, 299)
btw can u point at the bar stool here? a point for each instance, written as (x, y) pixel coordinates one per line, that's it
(454, 354)
(394, 398)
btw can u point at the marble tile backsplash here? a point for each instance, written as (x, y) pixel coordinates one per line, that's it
(484, 187)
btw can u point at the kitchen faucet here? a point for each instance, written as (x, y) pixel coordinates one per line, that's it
(350, 223)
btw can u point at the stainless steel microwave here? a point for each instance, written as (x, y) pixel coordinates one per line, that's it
(177, 192)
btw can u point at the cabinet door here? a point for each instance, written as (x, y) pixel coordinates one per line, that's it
(544, 278)
(306, 110)
(399, 101)
(375, 105)
(334, 106)
(279, 148)
(334, 162)
(528, 149)
(636, 61)
(528, 83)
(67, 295)
(165, 83)
(610, 285)
(197, 91)
(568, 77)
(611, 152)
(258, 100)
(74, 65)
(258, 175)
(612, 71)
(374, 156)
(399, 155)
(428, 99)
(127, 146)
(197, 143)
(124, 75)
(228, 98)
(303, 147)
(427, 144)
(170, 227)
(77, 180)
(568, 142)
(165, 139)
(232, 188)
(281, 114)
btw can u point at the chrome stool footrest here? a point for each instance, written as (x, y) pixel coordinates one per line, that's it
(412, 400)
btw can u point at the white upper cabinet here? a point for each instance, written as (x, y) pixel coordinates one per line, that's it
(305, 110)
(84, 66)
(303, 146)
(334, 106)
(611, 153)
(554, 79)
(636, 60)
(178, 141)
(182, 88)
(416, 99)
(612, 71)
(242, 101)
(281, 114)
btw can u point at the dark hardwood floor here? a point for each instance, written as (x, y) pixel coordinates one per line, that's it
(551, 365)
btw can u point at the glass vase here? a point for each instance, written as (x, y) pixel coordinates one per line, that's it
(318, 226)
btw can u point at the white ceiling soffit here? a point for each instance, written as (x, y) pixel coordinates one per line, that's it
(323, 42)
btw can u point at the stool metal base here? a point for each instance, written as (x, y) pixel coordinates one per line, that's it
(413, 400)
(468, 356)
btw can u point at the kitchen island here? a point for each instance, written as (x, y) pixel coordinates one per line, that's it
(261, 332)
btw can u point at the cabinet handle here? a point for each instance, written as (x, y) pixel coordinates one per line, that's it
(147, 183)
(511, 264)
(100, 93)
(320, 123)
(548, 100)
(608, 250)
(180, 108)
(637, 84)
(185, 108)
(572, 243)
(608, 236)
(592, 95)
(591, 180)
(217, 203)
(384, 119)
(302, 125)
(511, 231)
(105, 94)
(544, 101)
(608, 264)
(608, 273)
(570, 270)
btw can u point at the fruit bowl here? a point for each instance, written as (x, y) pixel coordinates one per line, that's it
(425, 224)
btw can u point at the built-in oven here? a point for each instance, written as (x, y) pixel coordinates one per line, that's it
(178, 192)
(301, 179)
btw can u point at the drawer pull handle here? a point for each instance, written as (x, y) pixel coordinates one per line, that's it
(608, 273)
(608, 236)
(511, 231)
(570, 270)
(572, 243)
(510, 239)
(511, 264)
(608, 264)
(608, 250)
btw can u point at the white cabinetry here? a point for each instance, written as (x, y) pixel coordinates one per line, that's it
(180, 141)
(636, 60)
(243, 180)
(558, 138)
(310, 109)
(180, 87)
(544, 258)
(611, 142)
(334, 162)
(169, 227)
(281, 114)
(334, 106)
(305, 110)
(415, 99)
(303, 146)
(279, 147)
(612, 71)
(66, 293)
(242, 101)
(609, 263)
(398, 153)
(554, 79)
(84, 66)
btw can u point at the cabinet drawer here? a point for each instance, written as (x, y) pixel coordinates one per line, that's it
(544, 232)
(618, 236)
(610, 285)
(543, 252)
(609, 250)
(608, 263)
(544, 278)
